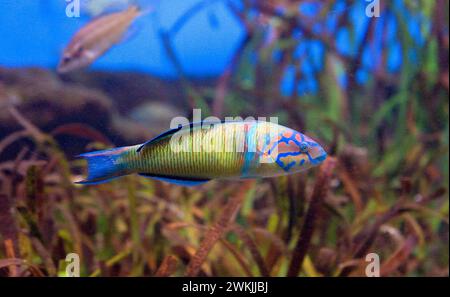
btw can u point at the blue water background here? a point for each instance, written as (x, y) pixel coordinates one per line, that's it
(34, 33)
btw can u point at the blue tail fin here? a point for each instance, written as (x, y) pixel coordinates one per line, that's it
(103, 166)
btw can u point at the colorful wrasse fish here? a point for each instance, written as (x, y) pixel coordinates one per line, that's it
(196, 153)
(94, 39)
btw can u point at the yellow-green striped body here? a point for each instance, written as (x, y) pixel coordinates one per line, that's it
(193, 156)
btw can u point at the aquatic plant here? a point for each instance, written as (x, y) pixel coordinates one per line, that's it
(384, 190)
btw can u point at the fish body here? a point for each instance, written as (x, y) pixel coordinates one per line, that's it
(94, 39)
(197, 153)
(97, 7)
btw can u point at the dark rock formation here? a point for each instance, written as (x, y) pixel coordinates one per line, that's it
(103, 101)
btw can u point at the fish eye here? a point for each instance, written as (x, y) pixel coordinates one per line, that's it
(66, 59)
(303, 147)
(78, 51)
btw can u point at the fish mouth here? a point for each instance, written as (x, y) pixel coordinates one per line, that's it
(320, 158)
(61, 68)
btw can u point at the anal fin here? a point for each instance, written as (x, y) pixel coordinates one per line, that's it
(181, 181)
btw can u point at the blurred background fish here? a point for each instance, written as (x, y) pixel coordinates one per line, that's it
(95, 38)
(98, 7)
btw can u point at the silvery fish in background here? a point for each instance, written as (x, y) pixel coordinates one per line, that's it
(194, 154)
(98, 7)
(94, 39)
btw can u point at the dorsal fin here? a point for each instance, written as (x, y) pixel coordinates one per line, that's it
(160, 136)
(174, 130)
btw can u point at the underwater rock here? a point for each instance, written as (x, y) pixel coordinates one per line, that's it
(155, 115)
(126, 107)
(47, 102)
(128, 90)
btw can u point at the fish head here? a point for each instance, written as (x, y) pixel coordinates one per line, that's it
(292, 151)
(74, 57)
